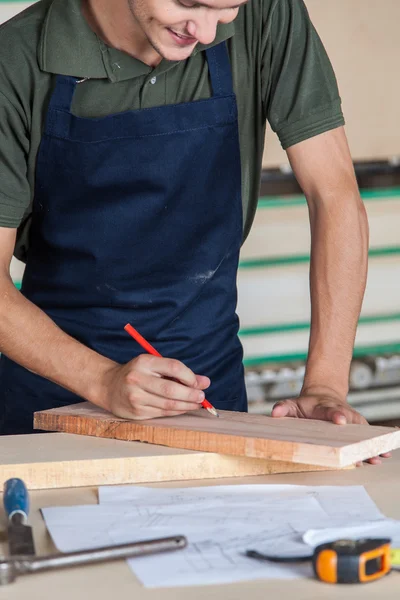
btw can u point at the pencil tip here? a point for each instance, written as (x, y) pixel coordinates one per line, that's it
(213, 412)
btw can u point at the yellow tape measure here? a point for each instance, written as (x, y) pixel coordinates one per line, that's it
(347, 561)
(352, 561)
(395, 557)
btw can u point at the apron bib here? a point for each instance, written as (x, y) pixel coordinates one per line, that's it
(137, 217)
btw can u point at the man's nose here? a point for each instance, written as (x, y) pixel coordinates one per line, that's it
(204, 29)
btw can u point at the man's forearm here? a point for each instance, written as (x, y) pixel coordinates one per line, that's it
(339, 259)
(30, 338)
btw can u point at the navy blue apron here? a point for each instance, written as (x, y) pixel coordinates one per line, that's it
(137, 217)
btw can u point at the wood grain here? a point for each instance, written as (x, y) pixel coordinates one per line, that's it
(235, 434)
(61, 460)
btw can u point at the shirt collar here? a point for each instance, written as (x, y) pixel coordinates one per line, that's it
(68, 46)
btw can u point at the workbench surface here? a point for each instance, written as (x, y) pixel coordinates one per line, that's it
(116, 581)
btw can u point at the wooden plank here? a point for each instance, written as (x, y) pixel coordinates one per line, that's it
(60, 460)
(237, 434)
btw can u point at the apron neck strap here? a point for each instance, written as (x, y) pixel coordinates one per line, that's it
(63, 93)
(220, 70)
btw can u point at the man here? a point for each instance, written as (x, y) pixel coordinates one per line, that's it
(130, 156)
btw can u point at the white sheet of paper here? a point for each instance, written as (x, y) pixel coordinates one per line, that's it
(387, 528)
(220, 522)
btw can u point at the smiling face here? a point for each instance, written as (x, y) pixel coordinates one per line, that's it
(174, 27)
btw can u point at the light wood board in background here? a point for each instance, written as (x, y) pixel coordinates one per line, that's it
(237, 434)
(61, 460)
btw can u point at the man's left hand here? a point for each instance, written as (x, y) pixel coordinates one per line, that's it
(323, 407)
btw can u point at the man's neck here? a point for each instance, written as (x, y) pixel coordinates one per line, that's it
(114, 23)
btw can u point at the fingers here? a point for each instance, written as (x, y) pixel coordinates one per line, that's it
(312, 408)
(133, 409)
(169, 389)
(309, 410)
(202, 382)
(338, 415)
(146, 406)
(285, 408)
(142, 399)
(370, 461)
(333, 414)
(167, 367)
(376, 460)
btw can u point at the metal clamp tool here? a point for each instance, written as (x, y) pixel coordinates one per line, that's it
(12, 568)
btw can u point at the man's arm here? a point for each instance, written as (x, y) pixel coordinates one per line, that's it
(140, 389)
(338, 272)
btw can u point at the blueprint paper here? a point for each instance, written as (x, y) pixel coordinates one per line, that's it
(220, 523)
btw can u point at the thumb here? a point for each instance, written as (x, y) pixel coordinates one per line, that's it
(284, 408)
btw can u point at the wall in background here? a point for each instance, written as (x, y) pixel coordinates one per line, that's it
(363, 43)
(9, 9)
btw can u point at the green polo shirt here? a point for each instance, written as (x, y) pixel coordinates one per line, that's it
(280, 69)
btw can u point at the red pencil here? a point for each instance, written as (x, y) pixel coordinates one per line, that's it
(151, 350)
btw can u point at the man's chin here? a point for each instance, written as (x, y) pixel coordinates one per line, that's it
(172, 53)
(179, 54)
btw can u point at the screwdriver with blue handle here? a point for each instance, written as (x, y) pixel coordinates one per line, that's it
(16, 504)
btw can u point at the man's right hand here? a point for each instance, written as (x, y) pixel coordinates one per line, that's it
(150, 386)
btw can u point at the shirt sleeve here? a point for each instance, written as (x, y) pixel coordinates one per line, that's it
(15, 193)
(300, 91)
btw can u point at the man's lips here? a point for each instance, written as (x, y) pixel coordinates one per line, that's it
(182, 40)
